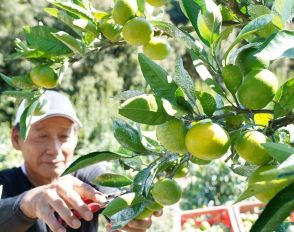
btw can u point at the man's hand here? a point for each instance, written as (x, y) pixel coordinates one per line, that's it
(137, 225)
(62, 196)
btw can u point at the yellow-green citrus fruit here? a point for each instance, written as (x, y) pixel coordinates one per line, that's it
(157, 49)
(247, 61)
(257, 89)
(137, 31)
(249, 147)
(257, 177)
(156, 3)
(171, 135)
(166, 192)
(232, 77)
(235, 121)
(44, 76)
(154, 206)
(124, 10)
(195, 160)
(111, 30)
(207, 141)
(144, 214)
(182, 171)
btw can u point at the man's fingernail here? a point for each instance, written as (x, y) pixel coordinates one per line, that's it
(76, 223)
(88, 216)
(61, 230)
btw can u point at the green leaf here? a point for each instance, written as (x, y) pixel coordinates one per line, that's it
(141, 5)
(92, 158)
(173, 109)
(86, 26)
(276, 178)
(158, 79)
(249, 29)
(278, 151)
(41, 39)
(23, 82)
(284, 9)
(127, 136)
(73, 9)
(284, 99)
(146, 109)
(182, 99)
(183, 80)
(178, 34)
(122, 202)
(193, 9)
(122, 218)
(207, 102)
(100, 14)
(112, 180)
(277, 45)
(257, 10)
(276, 211)
(7, 79)
(207, 21)
(71, 42)
(19, 94)
(140, 180)
(25, 119)
(205, 74)
(63, 17)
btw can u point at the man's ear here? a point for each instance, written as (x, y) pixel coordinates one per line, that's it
(15, 138)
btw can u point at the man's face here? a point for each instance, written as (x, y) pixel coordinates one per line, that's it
(49, 147)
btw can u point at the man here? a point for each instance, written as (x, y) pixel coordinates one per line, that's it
(35, 193)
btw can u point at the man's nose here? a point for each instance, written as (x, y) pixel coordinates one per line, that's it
(54, 147)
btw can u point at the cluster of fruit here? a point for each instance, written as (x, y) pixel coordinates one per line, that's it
(135, 30)
(125, 23)
(192, 226)
(248, 218)
(205, 140)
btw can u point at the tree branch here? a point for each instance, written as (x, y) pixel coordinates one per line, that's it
(280, 122)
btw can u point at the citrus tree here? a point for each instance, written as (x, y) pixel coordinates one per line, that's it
(240, 116)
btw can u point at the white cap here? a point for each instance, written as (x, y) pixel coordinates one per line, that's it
(58, 105)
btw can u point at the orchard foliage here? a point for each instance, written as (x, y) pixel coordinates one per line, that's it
(241, 113)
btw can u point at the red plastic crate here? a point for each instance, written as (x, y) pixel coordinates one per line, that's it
(214, 215)
(244, 208)
(249, 207)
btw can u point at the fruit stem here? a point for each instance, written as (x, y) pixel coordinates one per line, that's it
(280, 122)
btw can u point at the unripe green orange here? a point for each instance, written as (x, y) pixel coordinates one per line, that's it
(111, 30)
(207, 141)
(144, 214)
(137, 31)
(249, 147)
(166, 192)
(154, 206)
(44, 76)
(171, 135)
(247, 61)
(195, 160)
(157, 49)
(232, 77)
(182, 171)
(257, 89)
(156, 3)
(124, 10)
